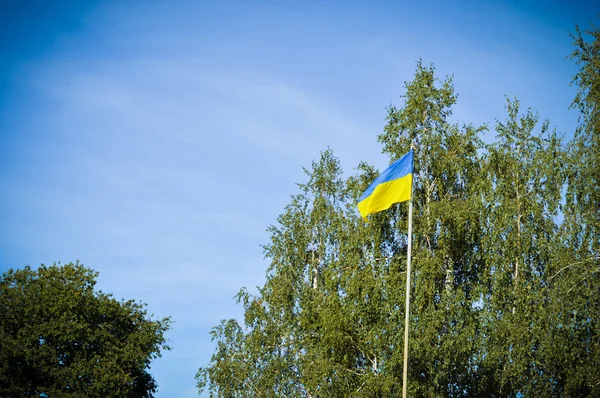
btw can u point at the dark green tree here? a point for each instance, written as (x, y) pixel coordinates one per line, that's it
(61, 338)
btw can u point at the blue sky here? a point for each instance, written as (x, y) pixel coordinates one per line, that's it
(156, 140)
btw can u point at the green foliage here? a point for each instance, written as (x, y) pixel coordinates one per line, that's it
(583, 197)
(524, 179)
(447, 232)
(505, 296)
(59, 337)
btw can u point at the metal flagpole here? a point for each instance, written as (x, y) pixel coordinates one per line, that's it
(407, 311)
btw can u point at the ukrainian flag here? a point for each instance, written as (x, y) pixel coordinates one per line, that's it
(392, 186)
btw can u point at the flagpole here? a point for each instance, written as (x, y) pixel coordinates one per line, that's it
(407, 310)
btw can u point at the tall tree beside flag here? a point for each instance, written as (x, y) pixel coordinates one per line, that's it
(394, 185)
